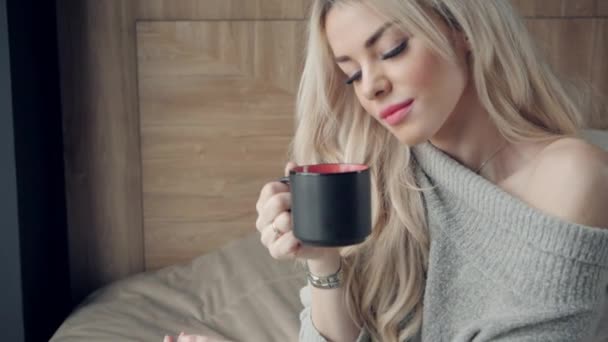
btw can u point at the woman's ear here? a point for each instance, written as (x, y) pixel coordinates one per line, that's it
(462, 41)
(462, 46)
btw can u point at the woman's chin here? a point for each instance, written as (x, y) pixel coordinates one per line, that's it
(410, 137)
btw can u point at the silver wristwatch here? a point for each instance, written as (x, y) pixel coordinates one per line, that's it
(331, 281)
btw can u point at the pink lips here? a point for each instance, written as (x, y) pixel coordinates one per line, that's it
(396, 113)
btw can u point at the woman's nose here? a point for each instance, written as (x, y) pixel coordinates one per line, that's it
(375, 85)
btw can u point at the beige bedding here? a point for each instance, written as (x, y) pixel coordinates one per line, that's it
(238, 292)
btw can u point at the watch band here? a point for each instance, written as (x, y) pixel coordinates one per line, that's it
(331, 281)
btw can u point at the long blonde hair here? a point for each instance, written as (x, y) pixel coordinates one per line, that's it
(385, 275)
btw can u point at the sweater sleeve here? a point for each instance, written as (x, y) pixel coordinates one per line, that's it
(308, 332)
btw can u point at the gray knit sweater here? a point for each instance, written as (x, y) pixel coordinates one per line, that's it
(500, 270)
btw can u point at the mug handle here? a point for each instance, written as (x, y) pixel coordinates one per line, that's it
(284, 180)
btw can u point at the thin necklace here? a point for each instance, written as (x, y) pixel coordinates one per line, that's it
(490, 157)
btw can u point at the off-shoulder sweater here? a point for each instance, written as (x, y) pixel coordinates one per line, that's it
(499, 269)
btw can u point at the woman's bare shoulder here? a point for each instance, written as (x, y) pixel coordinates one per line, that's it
(570, 181)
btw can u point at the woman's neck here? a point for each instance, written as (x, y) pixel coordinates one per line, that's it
(470, 137)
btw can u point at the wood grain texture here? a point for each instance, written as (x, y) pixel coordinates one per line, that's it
(558, 8)
(216, 104)
(602, 8)
(599, 70)
(221, 9)
(577, 49)
(557, 39)
(101, 136)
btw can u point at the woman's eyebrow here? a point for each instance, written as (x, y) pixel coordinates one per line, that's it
(369, 42)
(379, 32)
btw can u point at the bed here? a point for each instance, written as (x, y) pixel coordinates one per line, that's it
(238, 292)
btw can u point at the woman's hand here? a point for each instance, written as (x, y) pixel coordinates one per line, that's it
(275, 225)
(192, 338)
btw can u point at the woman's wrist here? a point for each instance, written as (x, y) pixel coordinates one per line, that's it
(331, 281)
(325, 266)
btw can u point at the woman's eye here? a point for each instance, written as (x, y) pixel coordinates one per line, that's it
(396, 51)
(353, 78)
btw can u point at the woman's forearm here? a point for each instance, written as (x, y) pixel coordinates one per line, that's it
(328, 310)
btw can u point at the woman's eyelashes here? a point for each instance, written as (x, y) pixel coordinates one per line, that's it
(353, 78)
(396, 51)
(392, 53)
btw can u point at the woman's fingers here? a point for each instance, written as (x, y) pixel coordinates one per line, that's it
(274, 219)
(272, 208)
(273, 188)
(182, 337)
(194, 338)
(282, 223)
(269, 190)
(290, 165)
(268, 236)
(285, 247)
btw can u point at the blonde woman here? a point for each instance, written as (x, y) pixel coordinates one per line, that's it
(489, 210)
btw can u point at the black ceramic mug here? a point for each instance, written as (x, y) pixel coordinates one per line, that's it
(331, 203)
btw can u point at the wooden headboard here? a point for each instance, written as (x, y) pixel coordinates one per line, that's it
(176, 113)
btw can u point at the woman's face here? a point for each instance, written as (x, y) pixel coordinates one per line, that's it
(400, 81)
